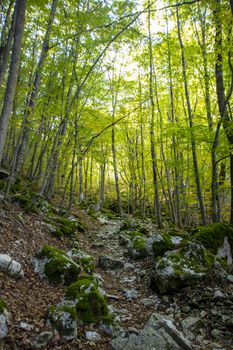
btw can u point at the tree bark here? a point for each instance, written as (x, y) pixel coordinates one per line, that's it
(13, 73)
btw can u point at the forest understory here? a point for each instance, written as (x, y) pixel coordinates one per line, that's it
(202, 310)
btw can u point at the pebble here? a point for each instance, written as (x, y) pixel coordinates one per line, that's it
(230, 278)
(92, 336)
(219, 295)
(216, 333)
(130, 293)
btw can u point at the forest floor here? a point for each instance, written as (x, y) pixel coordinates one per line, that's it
(22, 234)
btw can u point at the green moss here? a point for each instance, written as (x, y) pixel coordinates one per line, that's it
(139, 243)
(84, 260)
(59, 268)
(162, 246)
(212, 236)
(134, 225)
(66, 226)
(90, 304)
(3, 306)
(132, 234)
(70, 309)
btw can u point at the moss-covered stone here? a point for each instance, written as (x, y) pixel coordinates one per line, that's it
(90, 304)
(32, 202)
(65, 226)
(163, 245)
(134, 225)
(56, 265)
(138, 248)
(182, 267)
(86, 261)
(63, 318)
(3, 306)
(212, 236)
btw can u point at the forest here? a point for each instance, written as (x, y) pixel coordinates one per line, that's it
(120, 103)
(116, 138)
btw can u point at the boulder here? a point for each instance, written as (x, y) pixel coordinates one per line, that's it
(63, 318)
(56, 265)
(159, 334)
(217, 238)
(4, 319)
(181, 268)
(108, 263)
(90, 304)
(86, 261)
(10, 267)
(138, 248)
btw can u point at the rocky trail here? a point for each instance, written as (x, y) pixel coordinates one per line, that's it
(197, 316)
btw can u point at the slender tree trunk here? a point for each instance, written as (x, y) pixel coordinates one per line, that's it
(152, 135)
(6, 43)
(221, 96)
(31, 103)
(190, 119)
(20, 9)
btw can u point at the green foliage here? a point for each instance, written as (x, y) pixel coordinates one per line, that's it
(3, 306)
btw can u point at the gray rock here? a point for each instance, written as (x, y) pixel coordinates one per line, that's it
(63, 319)
(128, 267)
(180, 268)
(230, 278)
(4, 320)
(225, 251)
(219, 295)
(93, 336)
(42, 340)
(158, 334)
(130, 293)
(148, 302)
(216, 333)
(149, 243)
(26, 326)
(108, 263)
(191, 324)
(10, 267)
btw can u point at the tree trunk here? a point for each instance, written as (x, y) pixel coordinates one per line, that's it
(20, 9)
(190, 119)
(152, 136)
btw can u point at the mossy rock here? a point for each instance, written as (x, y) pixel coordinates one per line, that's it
(63, 317)
(134, 225)
(86, 261)
(138, 248)
(163, 245)
(90, 304)
(56, 265)
(182, 268)
(212, 236)
(32, 202)
(65, 226)
(3, 306)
